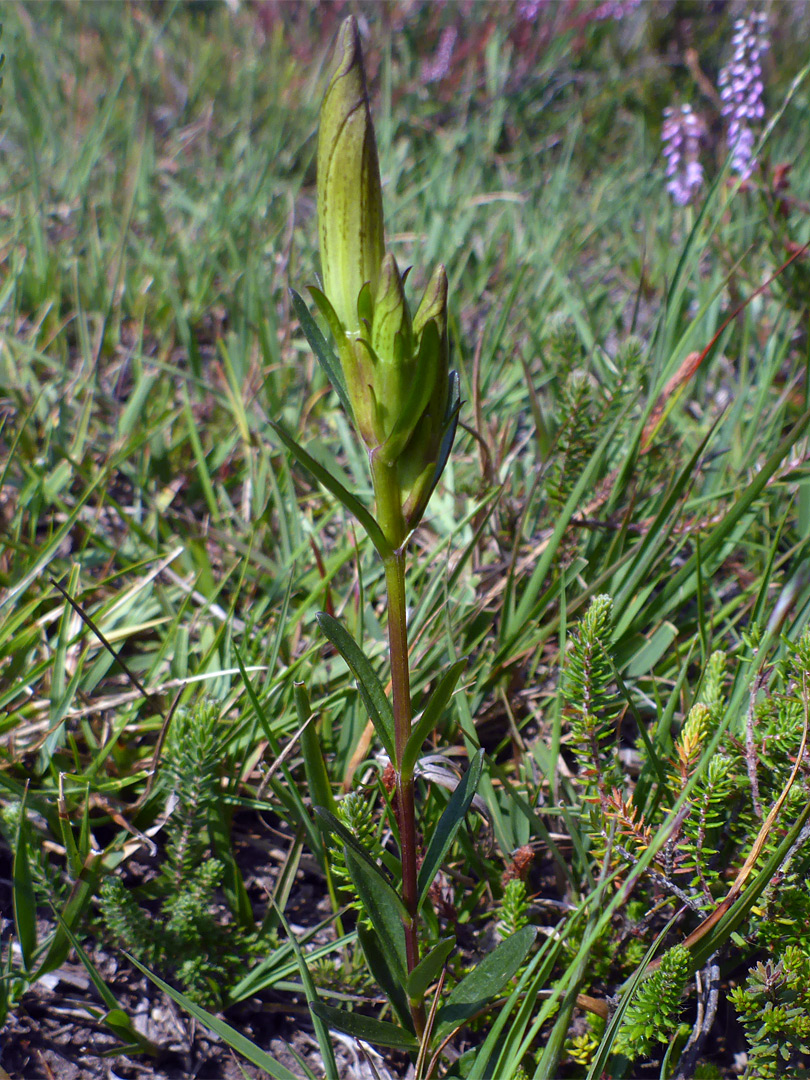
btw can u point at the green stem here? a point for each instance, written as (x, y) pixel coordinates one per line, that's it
(406, 815)
(389, 515)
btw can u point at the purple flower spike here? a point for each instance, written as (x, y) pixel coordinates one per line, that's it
(528, 10)
(439, 67)
(741, 89)
(614, 9)
(681, 134)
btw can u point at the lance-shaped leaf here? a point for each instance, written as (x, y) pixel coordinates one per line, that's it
(224, 1031)
(371, 691)
(84, 888)
(429, 968)
(383, 907)
(334, 825)
(24, 898)
(376, 1032)
(332, 484)
(314, 764)
(318, 343)
(381, 968)
(430, 716)
(476, 990)
(449, 823)
(324, 1042)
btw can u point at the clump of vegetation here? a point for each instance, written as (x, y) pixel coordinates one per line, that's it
(187, 933)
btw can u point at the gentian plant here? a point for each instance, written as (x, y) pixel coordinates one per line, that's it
(392, 376)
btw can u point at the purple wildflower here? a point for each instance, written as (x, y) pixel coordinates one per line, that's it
(437, 68)
(741, 89)
(528, 10)
(614, 9)
(681, 134)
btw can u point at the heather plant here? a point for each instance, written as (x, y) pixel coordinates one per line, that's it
(740, 86)
(741, 90)
(183, 933)
(681, 134)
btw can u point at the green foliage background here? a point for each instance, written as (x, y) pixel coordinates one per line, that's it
(157, 179)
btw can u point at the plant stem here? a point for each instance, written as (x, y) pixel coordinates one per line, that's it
(406, 817)
(389, 513)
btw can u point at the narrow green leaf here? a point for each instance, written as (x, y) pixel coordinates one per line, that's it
(379, 964)
(740, 908)
(232, 882)
(318, 343)
(369, 685)
(500, 1052)
(377, 1032)
(122, 1027)
(74, 857)
(324, 1042)
(629, 990)
(431, 715)
(288, 793)
(103, 990)
(24, 898)
(446, 445)
(429, 967)
(333, 485)
(314, 765)
(677, 589)
(230, 1035)
(84, 888)
(383, 907)
(449, 823)
(485, 981)
(639, 569)
(116, 1019)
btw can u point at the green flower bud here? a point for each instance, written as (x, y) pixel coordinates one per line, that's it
(350, 218)
(418, 461)
(395, 369)
(434, 304)
(392, 345)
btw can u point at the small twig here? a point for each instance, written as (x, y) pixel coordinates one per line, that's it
(664, 882)
(156, 704)
(750, 748)
(708, 984)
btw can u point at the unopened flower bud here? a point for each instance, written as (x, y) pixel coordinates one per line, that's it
(391, 342)
(434, 304)
(418, 461)
(350, 217)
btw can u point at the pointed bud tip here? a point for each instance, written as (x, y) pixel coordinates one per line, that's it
(348, 48)
(434, 302)
(389, 274)
(391, 315)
